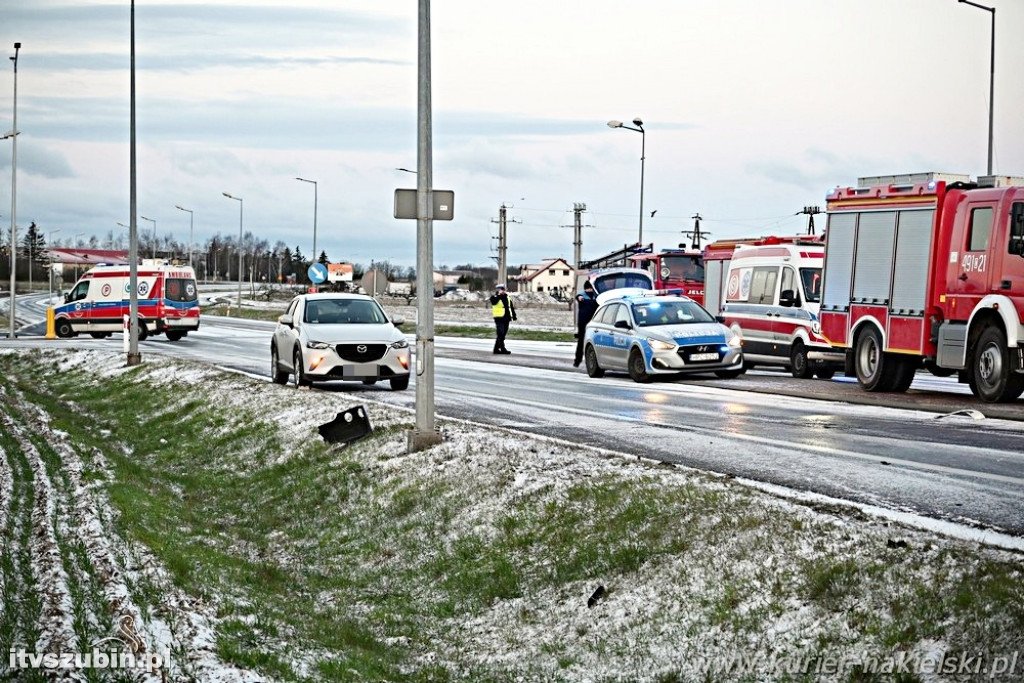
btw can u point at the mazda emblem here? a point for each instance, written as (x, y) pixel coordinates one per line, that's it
(361, 348)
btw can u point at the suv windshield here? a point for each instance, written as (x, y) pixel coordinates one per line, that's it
(652, 313)
(343, 312)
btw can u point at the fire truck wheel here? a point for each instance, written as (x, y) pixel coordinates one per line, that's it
(825, 372)
(903, 369)
(143, 332)
(638, 367)
(63, 329)
(871, 363)
(593, 369)
(175, 335)
(991, 378)
(799, 366)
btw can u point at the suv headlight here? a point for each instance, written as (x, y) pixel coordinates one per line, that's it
(317, 345)
(403, 344)
(659, 345)
(732, 339)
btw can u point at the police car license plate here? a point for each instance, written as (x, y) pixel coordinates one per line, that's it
(696, 357)
(360, 370)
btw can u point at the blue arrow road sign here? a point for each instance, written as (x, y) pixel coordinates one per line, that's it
(317, 273)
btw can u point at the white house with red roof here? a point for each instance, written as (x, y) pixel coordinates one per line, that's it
(554, 276)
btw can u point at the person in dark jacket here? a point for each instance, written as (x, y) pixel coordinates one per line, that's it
(503, 312)
(586, 306)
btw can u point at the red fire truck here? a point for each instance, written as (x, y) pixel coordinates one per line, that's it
(675, 269)
(928, 270)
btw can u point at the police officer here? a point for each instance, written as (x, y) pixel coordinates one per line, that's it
(503, 312)
(586, 306)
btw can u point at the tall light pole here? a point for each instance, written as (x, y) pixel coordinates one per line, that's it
(315, 255)
(191, 234)
(134, 356)
(425, 434)
(643, 154)
(49, 244)
(991, 77)
(14, 186)
(239, 200)
(153, 221)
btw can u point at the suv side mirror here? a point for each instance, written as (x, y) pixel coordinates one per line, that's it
(623, 325)
(788, 298)
(398, 321)
(285, 319)
(1017, 229)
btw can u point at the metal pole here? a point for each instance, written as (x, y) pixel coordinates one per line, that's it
(190, 234)
(239, 200)
(154, 233)
(315, 198)
(425, 435)
(991, 91)
(14, 188)
(643, 156)
(134, 357)
(991, 78)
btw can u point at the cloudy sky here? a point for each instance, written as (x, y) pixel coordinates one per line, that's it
(752, 109)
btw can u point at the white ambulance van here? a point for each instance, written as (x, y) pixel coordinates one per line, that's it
(167, 294)
(771, 298)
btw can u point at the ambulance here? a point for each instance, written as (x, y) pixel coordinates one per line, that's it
(771, 299)
(168, 301)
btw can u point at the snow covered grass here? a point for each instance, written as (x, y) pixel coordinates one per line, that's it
(249, 546)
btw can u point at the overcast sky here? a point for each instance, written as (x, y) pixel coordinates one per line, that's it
(753, 109)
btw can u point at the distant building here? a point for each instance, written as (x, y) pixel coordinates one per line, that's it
(554, 276)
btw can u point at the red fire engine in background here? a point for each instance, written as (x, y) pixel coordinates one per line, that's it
(928, 270)
(675, 269)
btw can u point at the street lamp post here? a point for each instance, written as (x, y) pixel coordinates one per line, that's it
(191, 234)
(643, 154)
(315, 256)
(14, 186)
(49, 244)
(239, 200)
(991, 77)
(153, 221)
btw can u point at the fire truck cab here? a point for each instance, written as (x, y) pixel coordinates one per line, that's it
(675, 269)
(928, 270)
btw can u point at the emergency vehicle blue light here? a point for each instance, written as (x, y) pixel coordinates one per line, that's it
(654, 305)
(931, 185)
(723, 348)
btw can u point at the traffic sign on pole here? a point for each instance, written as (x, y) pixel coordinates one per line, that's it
(317, 273)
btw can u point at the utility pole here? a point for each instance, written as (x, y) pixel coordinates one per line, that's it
(696, 235)
(577, 243)
(811, 212)
(503, 241)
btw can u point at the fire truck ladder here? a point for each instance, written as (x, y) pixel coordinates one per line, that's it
(618, 258)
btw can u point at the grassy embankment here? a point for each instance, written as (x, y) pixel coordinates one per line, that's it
(472, 561)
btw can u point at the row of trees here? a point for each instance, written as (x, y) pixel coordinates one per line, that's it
(215, 259)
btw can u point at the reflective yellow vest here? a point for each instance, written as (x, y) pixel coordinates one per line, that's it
(498, 309)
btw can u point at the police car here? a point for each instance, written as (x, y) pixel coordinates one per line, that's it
(647, 335)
